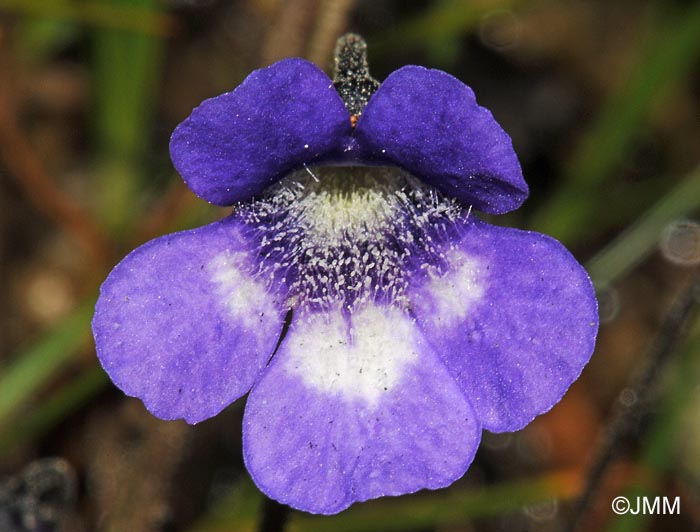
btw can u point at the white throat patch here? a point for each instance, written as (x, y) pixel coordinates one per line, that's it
(447, 298)
(362, 362)
(240, 292)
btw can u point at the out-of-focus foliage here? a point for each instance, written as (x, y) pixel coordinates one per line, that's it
(602, 99)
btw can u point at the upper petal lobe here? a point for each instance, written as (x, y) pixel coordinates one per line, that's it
(233, 146)
(429, 123)
(183, 324)
(514, 317)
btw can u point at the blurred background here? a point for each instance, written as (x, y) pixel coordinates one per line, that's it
(602, 100)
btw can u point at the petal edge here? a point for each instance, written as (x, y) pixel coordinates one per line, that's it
(359, 418)
(176, 324)
(234, 145)
(523, 323)
(429, 123)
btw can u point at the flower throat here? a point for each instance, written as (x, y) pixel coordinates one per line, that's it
(347, 236)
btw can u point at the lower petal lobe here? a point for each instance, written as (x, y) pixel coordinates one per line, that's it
(355, 407)
(183, 324)
(514, 317)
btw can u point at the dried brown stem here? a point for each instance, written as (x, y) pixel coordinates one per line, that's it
(274, 516)
(174, 203)
(19, 159)
(331, 22)
(624, 420)
(286, 36)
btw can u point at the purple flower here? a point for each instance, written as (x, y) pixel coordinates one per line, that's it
(414, 325)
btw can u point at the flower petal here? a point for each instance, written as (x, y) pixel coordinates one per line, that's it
(183, 325)
(429, 123)
(354, 408)
(514, 317)
(233, 146)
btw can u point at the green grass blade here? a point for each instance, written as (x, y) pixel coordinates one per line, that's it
(128, 18)
(641, 238)
(73, 394)
(443, 21)
(410, 512)
(30, 370)
(126, 70)
(673, 52)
